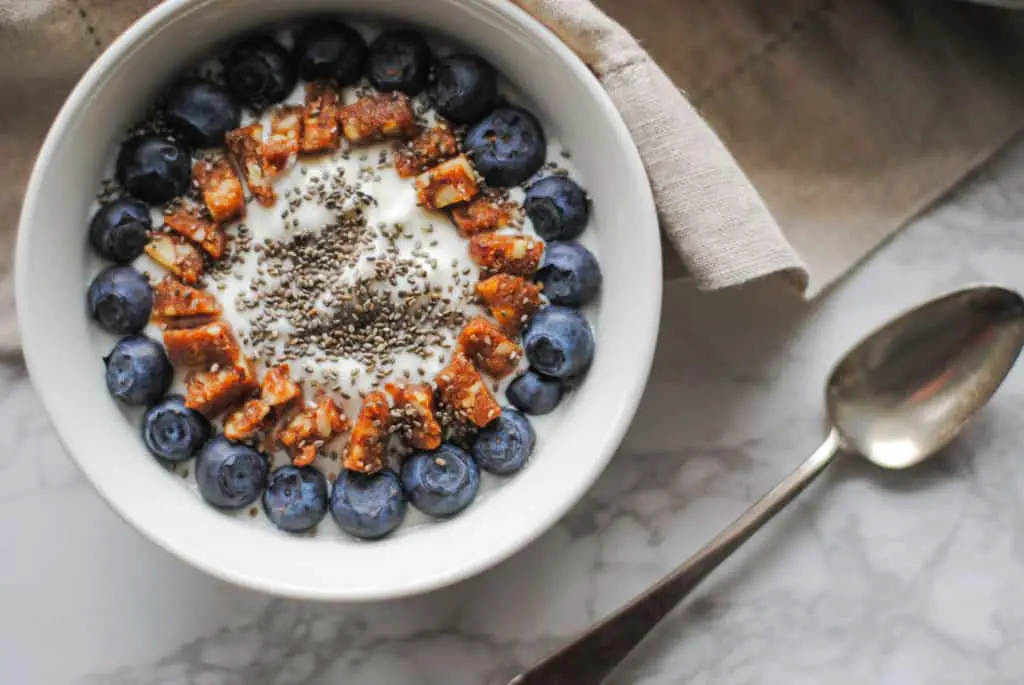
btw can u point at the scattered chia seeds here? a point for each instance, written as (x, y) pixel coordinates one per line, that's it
(326, 287)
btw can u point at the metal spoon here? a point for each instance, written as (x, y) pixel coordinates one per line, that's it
(897, 397)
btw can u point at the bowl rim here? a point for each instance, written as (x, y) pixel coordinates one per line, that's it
(49, 389)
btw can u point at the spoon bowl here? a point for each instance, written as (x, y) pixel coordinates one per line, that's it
(907, 389)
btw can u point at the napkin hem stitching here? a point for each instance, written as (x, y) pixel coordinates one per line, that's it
(90, 28)
(772, 43)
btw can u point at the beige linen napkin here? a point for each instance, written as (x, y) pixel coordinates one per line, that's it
(45, 45)
(848, 117)
(711, 214)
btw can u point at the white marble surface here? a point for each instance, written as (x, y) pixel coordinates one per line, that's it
(882, 578)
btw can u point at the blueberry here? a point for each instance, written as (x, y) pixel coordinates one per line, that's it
(120, 229)
(230, 475)
(570, 274)
(507, 146)
(559, 342)
(464, 89)
(138, 371)
(534, 393)
(260, 72)
(399, 60)
(172, 431)
(202, 112)
(330, 50)
(120, 299)
(442, 482)
(557, 207)
(296, 498)
(503, 446)
(368, 506)
(154, 169)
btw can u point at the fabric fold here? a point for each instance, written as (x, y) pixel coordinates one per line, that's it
(710, 212)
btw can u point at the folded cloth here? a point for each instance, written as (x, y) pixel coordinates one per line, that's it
(45, 46)
(848, 117)
(708, 209)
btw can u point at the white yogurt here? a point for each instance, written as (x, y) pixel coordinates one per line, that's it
(423, 233)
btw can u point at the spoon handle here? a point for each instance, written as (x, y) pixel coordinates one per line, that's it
(588, 659)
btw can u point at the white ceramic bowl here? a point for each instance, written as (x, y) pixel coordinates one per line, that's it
(51, 282)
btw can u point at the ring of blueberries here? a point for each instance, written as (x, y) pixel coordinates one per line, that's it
(507, 146)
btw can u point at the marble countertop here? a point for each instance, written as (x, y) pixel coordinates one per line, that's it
(885, 578)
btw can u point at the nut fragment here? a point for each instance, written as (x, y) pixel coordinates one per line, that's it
(277, 388)
(177, 255)
(414, 409)
(246, 146)
(460, 387)
(431, 146)
(482, 214)
(488, 348)
(320, 118)
(511, 299)
(221, 188)
(446, 184)
(370, 118)
(247, 421)
(204, 347)
(282, 144)
(190, 223)
(174, 301)
(213, 392)
(517, 255)
(306, 432)
(369, 438)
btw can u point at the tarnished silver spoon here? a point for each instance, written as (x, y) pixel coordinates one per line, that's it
(896, 398)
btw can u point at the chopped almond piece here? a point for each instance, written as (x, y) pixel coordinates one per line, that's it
(222, 189)
(213, 392)
(430, 147)
(278, 388)
(329, 418)
(282, 145)
(370, 118)
(461, 387)
(482, 214)
(511, 299)
(414, 408)
(246, 422)
(366, 447)
(173, 299)
(516, 255)
(306, 432)
(447, 184)
(305, 454)
(488, 348)
(203, 347)
(177, 255)
(297, 430)
(320, 118)
(246, 145)
(190, 222)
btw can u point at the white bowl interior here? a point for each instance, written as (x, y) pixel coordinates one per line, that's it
(51, 281)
